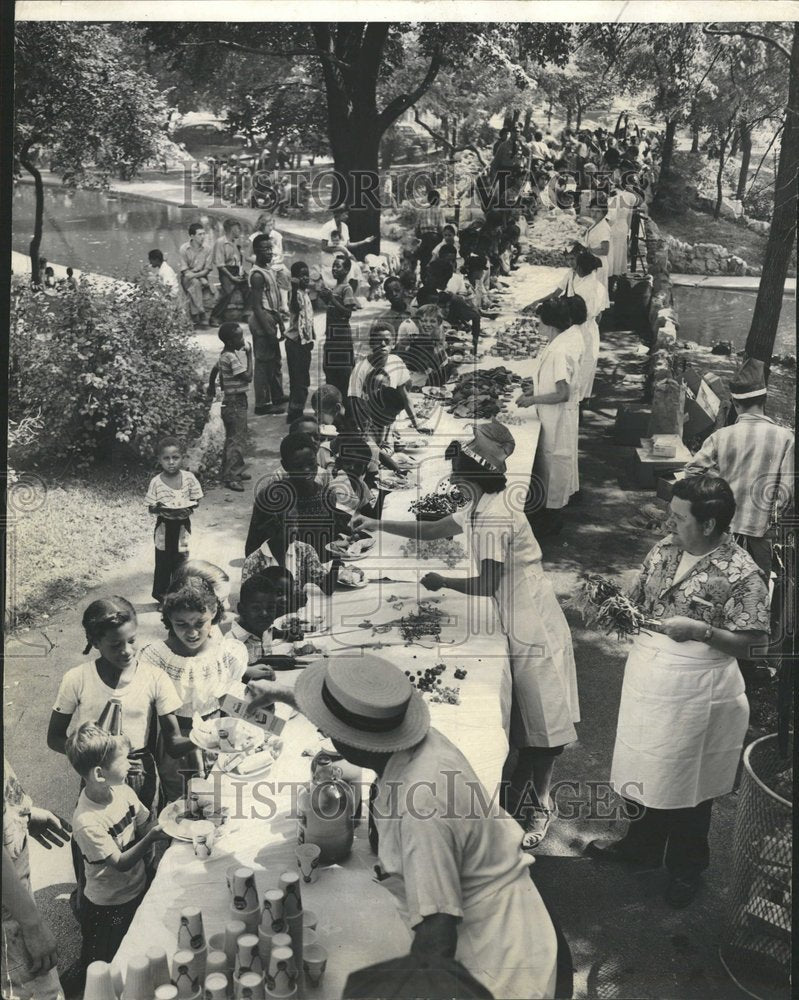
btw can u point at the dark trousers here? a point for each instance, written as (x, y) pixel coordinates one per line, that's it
(298, 361)
(677, 836)
(429, 241)
(103, 929)
(234, 417)
(267, 372)
(338, 357)
(227, 289)
(168, 559)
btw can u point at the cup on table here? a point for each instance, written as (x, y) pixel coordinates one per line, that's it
(216, 961)
(309, 919)
(250, 985)
(99, 985)
(159, 966)
(202, 838)
(314, 962)
(233, 931)
(216, 986)
(166, 992)
(308, 861)
(138, 978)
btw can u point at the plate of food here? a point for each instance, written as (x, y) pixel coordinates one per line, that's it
(437, 391)
(351, 576)
(225, 734)
(393, 483)
(351, 549)
(177, 822)
(253, 764)
(296, 625)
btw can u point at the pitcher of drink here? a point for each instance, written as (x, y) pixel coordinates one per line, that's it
(326, 810)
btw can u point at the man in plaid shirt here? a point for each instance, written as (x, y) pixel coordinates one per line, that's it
(756, 457)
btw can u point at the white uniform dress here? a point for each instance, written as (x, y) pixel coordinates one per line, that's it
(556, 458)
(545, 703)
(594, 238)
(620, 211)
(595, 295)
(440, 852)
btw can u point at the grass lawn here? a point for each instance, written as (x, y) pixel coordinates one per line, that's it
(62, 544)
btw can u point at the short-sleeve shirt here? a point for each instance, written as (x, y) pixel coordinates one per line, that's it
(227, 253)
(188, 493)
(396, 375)
(200, 680)
(83, 695)
(256, 645)
(194, 258)
(444, 848)
(560, 362)
(724, 588)
(232, 365)
(301, 326)
(99, 830)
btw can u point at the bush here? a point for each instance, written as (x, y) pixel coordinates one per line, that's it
(105, 368)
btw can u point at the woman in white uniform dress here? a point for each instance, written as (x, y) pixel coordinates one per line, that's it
(584, 282)
(507, 562)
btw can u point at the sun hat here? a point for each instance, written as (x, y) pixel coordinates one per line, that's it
(490, 446)
(367, 703)
(749, 381)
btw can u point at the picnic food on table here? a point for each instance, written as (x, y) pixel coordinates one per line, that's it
(445, 500)
(478, 395)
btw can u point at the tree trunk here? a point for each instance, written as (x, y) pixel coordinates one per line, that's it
(549, 114)
(694, 138)
(568, 116)
(528, 117)
(720, 176)
(355, 158)
(38, 186)
(579, 116)
(746, 155)
(668, 148)
(763, 330)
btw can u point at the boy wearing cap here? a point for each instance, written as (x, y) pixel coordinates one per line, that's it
(462, 884)
(756, 457)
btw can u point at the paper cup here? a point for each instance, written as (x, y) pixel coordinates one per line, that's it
(159, 967)
(309, 919)
(281, 940)
(309, 938)
(308, 862)
(202, 839)
(292, 895)
(243, 888)
(138, 979)
(273, 911)
(98, 982)
(184, 975)
(248, 958)
(216, 942)
(216, 986)
(233, 931)
(190, 932)
(216, 961)
(282, 978)
(314, 963)
(166, 992)
(250, 986)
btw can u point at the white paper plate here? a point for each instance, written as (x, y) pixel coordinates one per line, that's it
(357, 550)
(393, 485)
(354, 586)
(173, 824)
(241, 727)
(227, 763)
(314, 627)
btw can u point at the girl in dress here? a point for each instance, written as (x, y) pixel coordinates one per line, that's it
(172, 496)
(201, 663)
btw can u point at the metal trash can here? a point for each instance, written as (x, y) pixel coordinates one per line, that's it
(756, 946)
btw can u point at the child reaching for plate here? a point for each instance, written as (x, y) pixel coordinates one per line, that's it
(201, 663)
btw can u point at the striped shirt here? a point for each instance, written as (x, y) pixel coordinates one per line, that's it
(755, 456)
(232, 366)
(430, 219)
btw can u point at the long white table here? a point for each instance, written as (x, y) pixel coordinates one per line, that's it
(358, 921)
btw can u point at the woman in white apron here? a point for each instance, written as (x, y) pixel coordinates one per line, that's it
(582, 281)
(507, 562)
(556, 395)
(683, 713)
(597, 239)
(620, 213)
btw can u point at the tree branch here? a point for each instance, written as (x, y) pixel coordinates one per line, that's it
(252, 50)
(451, 148)
(711, 29)
(394, 108)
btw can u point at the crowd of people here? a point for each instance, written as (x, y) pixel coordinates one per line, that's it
(704, 587)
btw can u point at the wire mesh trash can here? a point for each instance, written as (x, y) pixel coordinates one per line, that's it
(756, 947)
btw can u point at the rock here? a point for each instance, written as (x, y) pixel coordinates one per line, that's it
(713, 267)
(722, 347)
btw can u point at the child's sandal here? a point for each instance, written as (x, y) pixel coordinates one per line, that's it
(536, 827)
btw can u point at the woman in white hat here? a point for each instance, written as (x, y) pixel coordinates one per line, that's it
(507, 561)
(462, 884)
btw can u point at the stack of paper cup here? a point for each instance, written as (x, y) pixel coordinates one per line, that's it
(216, 986)
(245, 898)
(272, 923)
(233, 931)
(281, 980)
(166, 992)
(138, 979)
(185, 975)
(251, 986)
(191, 937)
(99, 985)
(292, 911)
(159, 967)
(314, 963)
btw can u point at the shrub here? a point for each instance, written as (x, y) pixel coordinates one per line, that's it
(106, 368)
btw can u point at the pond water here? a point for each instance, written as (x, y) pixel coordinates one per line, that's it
(111, 234)
(708, 315)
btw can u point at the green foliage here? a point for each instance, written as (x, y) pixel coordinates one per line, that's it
(106, 369)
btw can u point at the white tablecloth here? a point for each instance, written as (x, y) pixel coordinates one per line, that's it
(358, 922)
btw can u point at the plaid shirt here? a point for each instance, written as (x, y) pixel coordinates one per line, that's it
(430, 219)
(755, 456)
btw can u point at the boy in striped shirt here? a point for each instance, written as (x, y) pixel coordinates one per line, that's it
(234, 370)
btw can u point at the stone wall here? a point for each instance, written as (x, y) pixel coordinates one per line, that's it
(705, 258)
(666, 391)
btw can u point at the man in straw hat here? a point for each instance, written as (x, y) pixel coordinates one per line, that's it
(450, 856)
(755, 455)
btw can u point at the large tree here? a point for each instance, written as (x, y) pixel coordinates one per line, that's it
(79, 99)
(351, 59)
(782, 40)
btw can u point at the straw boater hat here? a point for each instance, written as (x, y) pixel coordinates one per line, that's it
(367, 703)
(490, 446)
(749, 381)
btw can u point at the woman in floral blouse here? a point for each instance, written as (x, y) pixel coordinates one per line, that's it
(684, 714)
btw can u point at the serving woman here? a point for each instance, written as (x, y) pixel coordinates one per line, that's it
(507, 561)
(683, 713)
(462, 884)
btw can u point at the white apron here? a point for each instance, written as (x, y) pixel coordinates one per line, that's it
(682, 722)
(596, 235)
(620, 211)
(595, 296)
(556, 456)
(545, 702)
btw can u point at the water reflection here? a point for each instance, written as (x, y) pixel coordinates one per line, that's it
(111, 234)
(708, 315)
